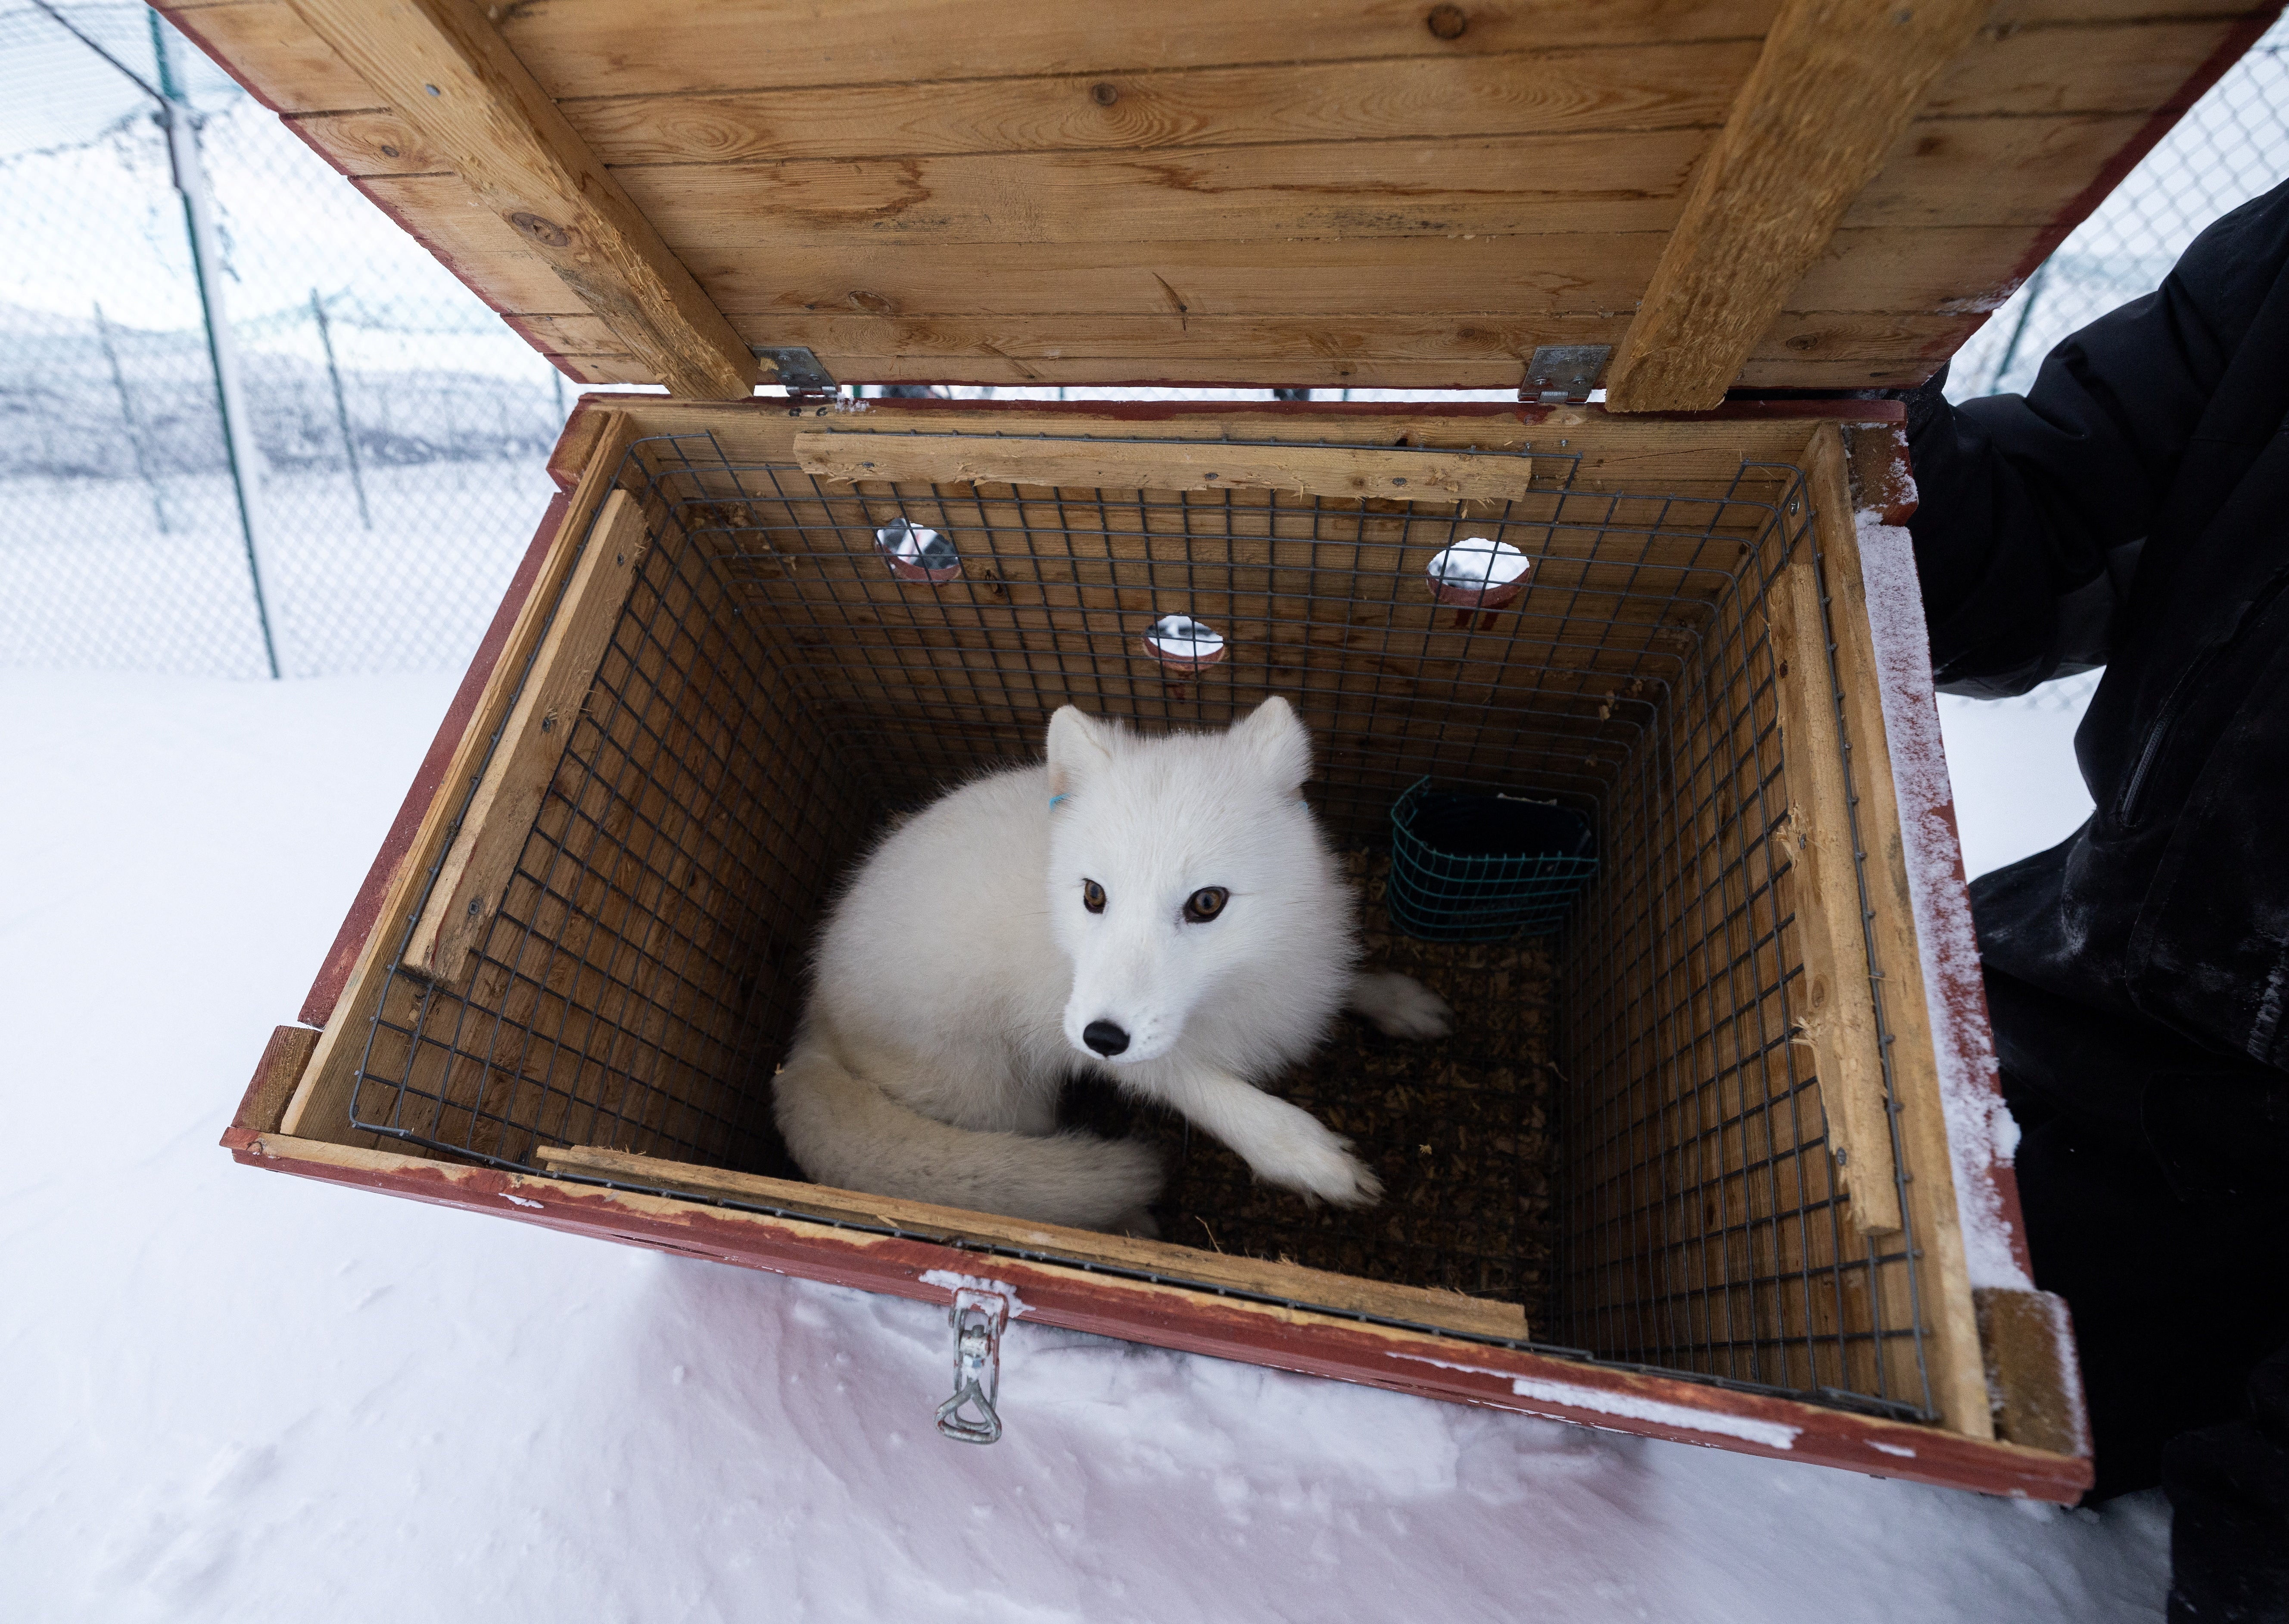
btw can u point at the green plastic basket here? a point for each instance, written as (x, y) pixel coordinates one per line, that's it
(1483, 867)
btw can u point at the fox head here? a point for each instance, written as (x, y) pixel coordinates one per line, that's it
(1182, 871)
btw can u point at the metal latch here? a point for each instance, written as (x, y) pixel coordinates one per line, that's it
(798, 371)
(1564, 374)
(979, 1317)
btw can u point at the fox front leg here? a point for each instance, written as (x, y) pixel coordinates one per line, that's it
(1286, 1145)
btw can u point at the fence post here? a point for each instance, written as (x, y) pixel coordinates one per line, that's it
(222, 350)
(134, 424)
(341, 406)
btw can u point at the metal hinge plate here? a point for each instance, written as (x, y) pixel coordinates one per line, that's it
(1564, 374)
(979, 1319)
(797, 370)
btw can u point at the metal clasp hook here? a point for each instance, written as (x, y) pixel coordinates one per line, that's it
(978, 1318)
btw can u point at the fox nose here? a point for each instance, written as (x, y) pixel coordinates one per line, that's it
(1104, 1037)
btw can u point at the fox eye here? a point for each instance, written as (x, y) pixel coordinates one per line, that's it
(1206, 903)
(1092, 896)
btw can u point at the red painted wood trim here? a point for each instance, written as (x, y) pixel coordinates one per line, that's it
(366, 909)
(1195, 1322)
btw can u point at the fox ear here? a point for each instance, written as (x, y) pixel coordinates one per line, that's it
(1276, 739)
(1079, 748)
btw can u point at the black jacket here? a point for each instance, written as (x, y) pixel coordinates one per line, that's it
(2132, 511)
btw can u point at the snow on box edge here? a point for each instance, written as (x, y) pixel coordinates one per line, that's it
(952, 1281)
(1981, 1131)
(1603, 1400)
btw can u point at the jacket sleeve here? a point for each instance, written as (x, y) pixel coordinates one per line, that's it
(2034, 509)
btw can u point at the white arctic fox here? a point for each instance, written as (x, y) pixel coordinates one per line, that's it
(1159, 910)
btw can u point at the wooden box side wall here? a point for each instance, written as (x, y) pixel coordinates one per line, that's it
(1704, 1224)
(640, 967)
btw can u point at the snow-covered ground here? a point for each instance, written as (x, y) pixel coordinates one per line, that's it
(232, 1396)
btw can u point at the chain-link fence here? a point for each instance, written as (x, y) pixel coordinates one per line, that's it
(385, 469)
(390, 430)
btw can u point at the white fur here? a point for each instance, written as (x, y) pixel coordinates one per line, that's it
(956, 976)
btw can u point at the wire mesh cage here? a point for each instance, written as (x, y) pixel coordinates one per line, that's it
(1622, 1133)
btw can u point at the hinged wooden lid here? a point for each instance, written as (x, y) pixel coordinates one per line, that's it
(1821, 194)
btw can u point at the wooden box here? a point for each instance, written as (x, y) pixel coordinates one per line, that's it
(1778, 1220)
(1781, 1218)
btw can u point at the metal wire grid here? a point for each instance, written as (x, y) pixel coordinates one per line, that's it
(1628, 680)
(1703, 1227)
(647, 954)
(1323, 600)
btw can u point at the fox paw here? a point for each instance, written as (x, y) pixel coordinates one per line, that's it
(1325, 1169)
(1400, 1005)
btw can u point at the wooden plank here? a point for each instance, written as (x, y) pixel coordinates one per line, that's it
(1947, 270)
(1400, 474)
(365, 143)
(1988, 171)
(1837, 1010)
(476, 244)
(476, 873)
(1450, 1310)
(1664, 84)
(1584, 277)
(884, 274)
(1529, 185)
(1587, 273)
(1951, 1345)
(2115, 65)
(2032, 1374)
(285, 1057)
(267, 47)
(1103, 1304)
(366, 909)
(598, 48)
(1685, 456)
(2044, 59)
(322, 1100)
(1835, 87)
(1658, 86)
(446, 72)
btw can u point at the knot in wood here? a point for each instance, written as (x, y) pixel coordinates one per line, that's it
(1104, 94)
(1447, 21)
(548, 233)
